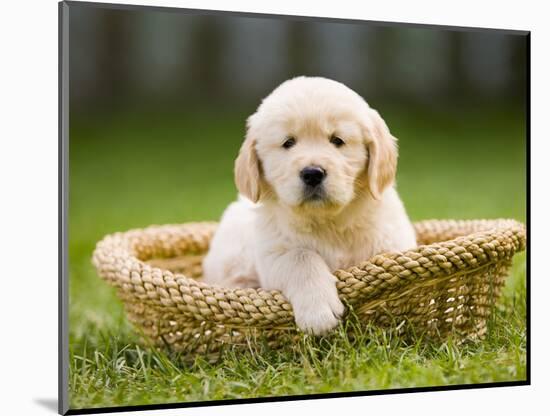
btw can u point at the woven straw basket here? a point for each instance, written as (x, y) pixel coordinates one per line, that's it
(446, 286)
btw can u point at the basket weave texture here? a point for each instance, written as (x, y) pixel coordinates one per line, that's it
(446, 286)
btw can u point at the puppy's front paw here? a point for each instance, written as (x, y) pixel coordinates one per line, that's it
(319, 311)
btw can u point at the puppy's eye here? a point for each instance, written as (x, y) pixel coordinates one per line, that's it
(337, 141)
(289, 142)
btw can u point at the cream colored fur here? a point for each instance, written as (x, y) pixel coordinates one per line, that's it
(275, 238)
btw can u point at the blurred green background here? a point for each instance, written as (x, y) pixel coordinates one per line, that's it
(158, 103)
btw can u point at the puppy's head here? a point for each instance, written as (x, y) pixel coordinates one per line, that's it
(315, 143)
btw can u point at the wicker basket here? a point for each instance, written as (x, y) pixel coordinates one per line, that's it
(446, 286)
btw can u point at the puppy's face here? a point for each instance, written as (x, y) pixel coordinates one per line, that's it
(312, 155)
(314, 143)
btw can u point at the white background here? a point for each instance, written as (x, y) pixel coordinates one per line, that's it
(28, 204)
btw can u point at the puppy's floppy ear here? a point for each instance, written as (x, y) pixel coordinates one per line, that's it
(382, 154)
(247, 168)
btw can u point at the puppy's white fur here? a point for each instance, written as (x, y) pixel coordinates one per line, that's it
(276, 237)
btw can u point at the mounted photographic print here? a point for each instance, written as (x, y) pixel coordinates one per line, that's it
(266, 208)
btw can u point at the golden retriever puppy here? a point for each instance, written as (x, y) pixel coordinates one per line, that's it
(315, 176)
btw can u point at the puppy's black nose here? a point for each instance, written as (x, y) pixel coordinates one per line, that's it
(313, 175)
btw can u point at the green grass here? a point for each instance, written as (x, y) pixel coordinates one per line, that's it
(128, 172)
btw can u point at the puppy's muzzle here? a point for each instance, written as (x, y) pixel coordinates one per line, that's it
(312, 176)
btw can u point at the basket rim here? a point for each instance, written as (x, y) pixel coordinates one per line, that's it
(403, 265)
